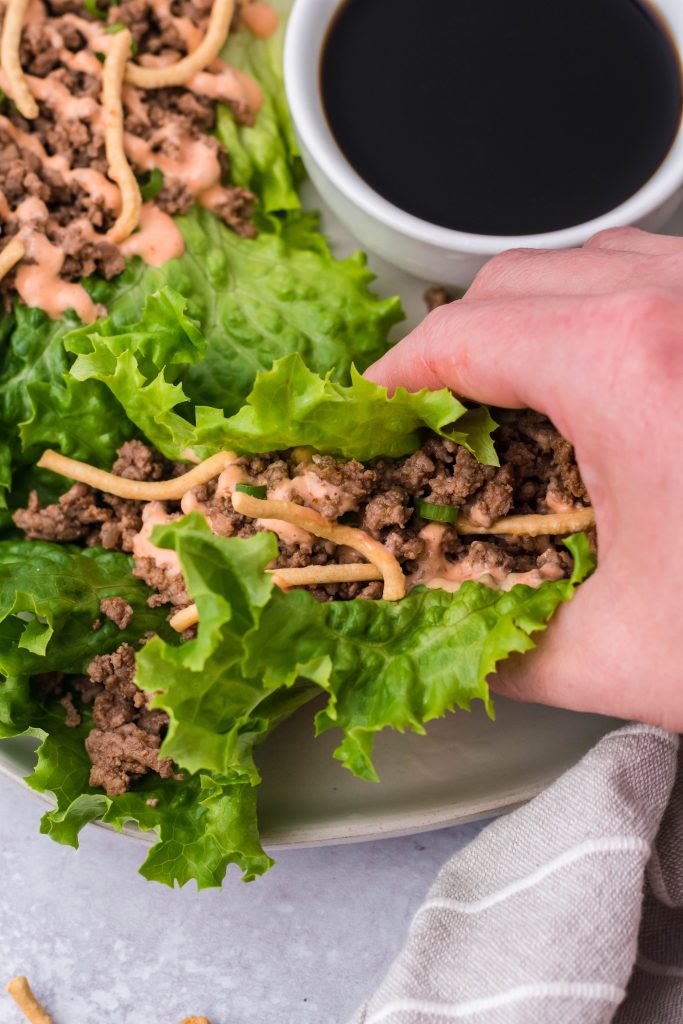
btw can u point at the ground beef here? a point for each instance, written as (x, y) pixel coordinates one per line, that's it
(124, 743)
(492, 501)
(76, 516)
(437, 296)
(387, 509)
(136, 461)
(118, 610)
(85, 515)
(73, 718)
(169, 587)
(236, 208)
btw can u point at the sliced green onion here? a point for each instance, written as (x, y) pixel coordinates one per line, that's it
(437, 513)
(252, 489)
(93, 8)
(151, 184)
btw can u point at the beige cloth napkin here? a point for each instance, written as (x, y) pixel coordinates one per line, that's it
(568, 911)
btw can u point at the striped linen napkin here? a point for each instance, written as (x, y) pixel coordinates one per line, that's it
(568, 911)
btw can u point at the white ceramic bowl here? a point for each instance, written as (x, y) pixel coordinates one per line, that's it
(415, 245)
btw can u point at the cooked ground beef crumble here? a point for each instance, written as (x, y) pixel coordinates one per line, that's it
(538, 474)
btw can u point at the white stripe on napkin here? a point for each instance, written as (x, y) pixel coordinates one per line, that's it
(609, 844)
(592, 991)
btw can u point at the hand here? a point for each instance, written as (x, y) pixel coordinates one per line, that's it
(593, 338)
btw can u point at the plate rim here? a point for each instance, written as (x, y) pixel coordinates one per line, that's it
(306, 837)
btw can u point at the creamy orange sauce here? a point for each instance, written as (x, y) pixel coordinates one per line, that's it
(436, 572)
(83, 62)
(154, 514)
(226, 84)
(198, 167)
(157, 241)
(260, 18)
(555, 503)
(40, 285)
(96, 185)
(314, 492)
(66, 106)
(95, 32)
(31, 210)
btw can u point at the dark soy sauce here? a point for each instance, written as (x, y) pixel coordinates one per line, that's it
(502, 116)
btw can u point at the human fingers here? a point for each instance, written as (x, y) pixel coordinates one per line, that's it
(601, 655)
(593, 270)
(636, 241)
(548, 354)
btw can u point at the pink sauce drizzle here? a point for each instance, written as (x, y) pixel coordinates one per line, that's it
(158, 239)
(260, 18)
(39, 284)
(198, 167)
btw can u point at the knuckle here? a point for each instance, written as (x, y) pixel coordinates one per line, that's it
(652, 308)
(612, 238)
(501, 269)
(437, 322)
(649, 333)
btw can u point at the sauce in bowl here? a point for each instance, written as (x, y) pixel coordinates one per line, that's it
(502, 117)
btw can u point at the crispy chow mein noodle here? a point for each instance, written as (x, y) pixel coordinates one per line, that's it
(20, 990)
(308, 576)
(554, 523)
(312, 575)
(21, 993)
(10, 59)
(137, 490)
(119, 169)
(310, 520)
(10, 255)
(183, 70)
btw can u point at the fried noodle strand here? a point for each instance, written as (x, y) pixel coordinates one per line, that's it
(10, 60)
(21, 993)
(308, 576)
(137, 490)
(309, 519)
(10, 255)
(184, 69)
(533, 525)
(119, 170)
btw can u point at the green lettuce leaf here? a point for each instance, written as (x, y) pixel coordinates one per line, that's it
(263, 158)
(41, 405)
(203, 823)
(289, 405)
(251, 302)
(50, 597)
(292, 406)
(383, 664)
(257, 300)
